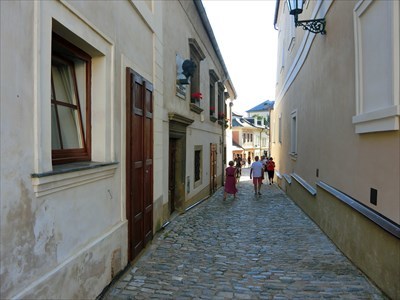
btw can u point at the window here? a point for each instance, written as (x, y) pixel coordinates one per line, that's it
(221, 102)
(213, 79)
(377, 66)
(293, 137)
(70, 102)
(197, 165)
(280, 129)
(197, 55)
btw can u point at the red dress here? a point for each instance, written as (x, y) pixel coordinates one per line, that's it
(230, 183)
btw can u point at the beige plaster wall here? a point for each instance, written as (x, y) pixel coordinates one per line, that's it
(323, 94)
(63, 236)
(369, 247)
(318, 81)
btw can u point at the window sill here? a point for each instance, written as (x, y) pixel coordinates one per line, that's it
(195, 108)
(213, 119)
(70, 175)
(293, 155)
(385, 119)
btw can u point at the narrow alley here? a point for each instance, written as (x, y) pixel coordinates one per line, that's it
(254, 247)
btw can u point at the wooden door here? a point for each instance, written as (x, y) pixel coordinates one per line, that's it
(172, 175)
(139, 162)
(213, 168)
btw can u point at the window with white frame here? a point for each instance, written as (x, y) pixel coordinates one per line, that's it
(213, 79)
(221, 102)
(77, 74)
(376, 25)
(280, 129)
(196, 55)
(293, 133)
(70, 102)
(198, 160)
(71, 127)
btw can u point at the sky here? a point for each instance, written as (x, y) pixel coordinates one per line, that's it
(244, 30)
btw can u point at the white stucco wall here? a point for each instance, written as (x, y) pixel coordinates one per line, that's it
(181, 24)
(65, 235)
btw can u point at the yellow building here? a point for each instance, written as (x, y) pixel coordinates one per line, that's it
(335, 127)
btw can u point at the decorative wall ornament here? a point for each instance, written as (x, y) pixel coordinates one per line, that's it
(185, 69)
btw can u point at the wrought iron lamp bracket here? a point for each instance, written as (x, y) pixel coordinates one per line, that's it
(315, 26)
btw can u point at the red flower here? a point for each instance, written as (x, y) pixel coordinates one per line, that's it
(197, 95)
(212, 108)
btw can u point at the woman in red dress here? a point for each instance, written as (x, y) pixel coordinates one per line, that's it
(230, 182)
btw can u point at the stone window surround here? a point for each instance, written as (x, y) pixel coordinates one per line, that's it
(385, 116)
(47, 178)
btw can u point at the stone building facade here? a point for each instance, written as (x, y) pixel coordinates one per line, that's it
(100, 141)
(335, 128)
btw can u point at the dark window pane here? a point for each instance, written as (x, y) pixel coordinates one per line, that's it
(55, 137)
(197, 160)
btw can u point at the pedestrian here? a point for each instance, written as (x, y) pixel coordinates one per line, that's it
(264, 163)
(230, 180)
(271, 170)
(256, 172)
(238, 166)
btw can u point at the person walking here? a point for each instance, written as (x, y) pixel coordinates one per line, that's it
(264, 160)
(270, 170)
(238, 165)
(256, 172)
(230, 181)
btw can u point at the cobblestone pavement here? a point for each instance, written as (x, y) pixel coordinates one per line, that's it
(254, 247)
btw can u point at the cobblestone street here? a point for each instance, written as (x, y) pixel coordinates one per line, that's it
(254, 247)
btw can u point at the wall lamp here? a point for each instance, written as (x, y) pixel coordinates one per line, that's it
(314, 26)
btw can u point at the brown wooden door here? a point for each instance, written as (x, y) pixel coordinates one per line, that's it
(139, 162)
(213, 168)
(172, 175)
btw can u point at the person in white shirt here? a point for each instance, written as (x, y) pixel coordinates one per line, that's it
(256, 172)
(264, 161)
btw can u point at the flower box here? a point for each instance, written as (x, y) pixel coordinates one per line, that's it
(197, 96)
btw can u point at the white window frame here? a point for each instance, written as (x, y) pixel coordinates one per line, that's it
(280, 129)
(198, 182)
(293, 133)
(375, 113)
(73, 27)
